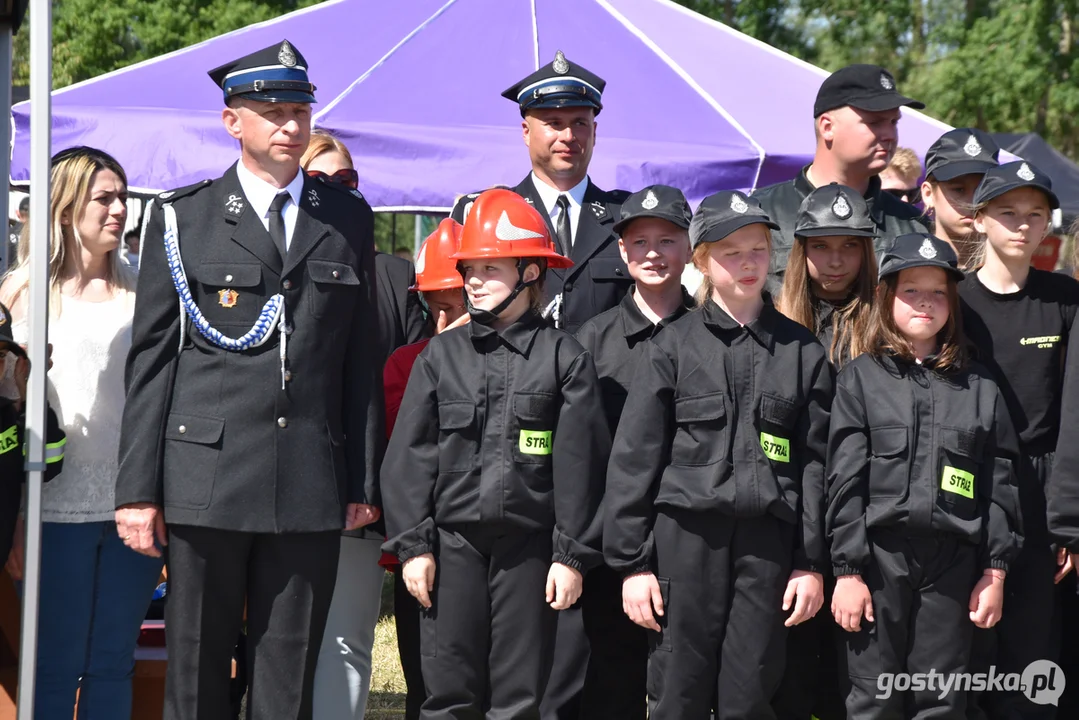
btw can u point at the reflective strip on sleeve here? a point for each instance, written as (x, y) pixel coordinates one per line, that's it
(54, 452)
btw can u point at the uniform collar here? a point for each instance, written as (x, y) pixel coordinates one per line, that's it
(635, 322)
(518, 336)
(549, 195)
(762, 329)
(872, 193)
(260, 194)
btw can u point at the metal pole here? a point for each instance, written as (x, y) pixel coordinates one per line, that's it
(418, 240)
(5, 137)
(36, 403)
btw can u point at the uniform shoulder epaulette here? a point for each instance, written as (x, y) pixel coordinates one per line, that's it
(617, 197)
(184, 191)
(342, 188)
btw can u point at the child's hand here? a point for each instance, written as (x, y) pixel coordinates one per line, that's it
(987, 600)
(808, 588)
(419, 576)
(563, 586)
(443, 324)
(639, 594)
(850, 601)
(1065, 563)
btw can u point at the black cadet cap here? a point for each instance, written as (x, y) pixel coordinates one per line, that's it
(963, 151)
(834, 210)
(6, 337)
(558, 84)
(721, 214)
(274, 74)
(1013, 175)
(919, 250)
(866, 87)
(655, 201)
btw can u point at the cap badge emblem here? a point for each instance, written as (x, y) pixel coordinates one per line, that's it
(841, 208)
(312, 197)
(234, 205)
(650, 201)
(972, 147)
(506, 230)
(927, 250)
(560, 65)
(886, 82)
(227, 298)
(1025, 173)
(286, 56)
(738, 204)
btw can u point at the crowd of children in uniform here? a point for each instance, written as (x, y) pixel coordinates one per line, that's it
(870, 449)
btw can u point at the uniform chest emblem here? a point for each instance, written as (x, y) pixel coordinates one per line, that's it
(598, 210)
(312, 197)
(973, 147)
(227, 298)
(234, 205)
(927, 250)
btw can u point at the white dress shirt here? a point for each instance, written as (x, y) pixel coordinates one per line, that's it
(549, 196)
(260, 195)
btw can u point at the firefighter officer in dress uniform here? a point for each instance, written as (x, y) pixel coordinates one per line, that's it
(252, 429)
(559, 104)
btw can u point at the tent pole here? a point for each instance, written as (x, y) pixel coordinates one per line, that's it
(5, 136)
(38, 313)
(418, 239)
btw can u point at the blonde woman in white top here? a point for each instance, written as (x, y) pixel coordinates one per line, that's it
(94, 590)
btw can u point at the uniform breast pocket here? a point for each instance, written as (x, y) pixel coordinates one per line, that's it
(889, 458)
(232, 293)
(192, 449)
(960, 451)
(778, 416)
(609, 269)
(533, 434)
(333, 283)
(457, 436)
(700, 436)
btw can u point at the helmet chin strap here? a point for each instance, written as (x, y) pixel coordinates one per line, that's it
(487, 317)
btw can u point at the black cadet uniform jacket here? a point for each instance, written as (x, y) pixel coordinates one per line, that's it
(210, 433)
(499, 429)
(923, 454)
(599, 278)
(781, 201)
(616, 340)
(722, 418)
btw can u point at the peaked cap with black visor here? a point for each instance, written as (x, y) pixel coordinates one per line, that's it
(276, 74)
(558, 84)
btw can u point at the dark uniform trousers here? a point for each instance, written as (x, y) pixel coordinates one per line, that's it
(921, 590)
(811, 681)
(1029, 630)
(492, 665)
(722, 641)
(287, 582)
(618, 652)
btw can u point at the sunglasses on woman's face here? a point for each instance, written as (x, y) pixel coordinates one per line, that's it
(345, 176)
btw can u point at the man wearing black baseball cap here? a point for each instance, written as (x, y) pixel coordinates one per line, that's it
(856, 114)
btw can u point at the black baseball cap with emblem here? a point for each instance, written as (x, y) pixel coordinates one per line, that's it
(7, 339)
(866, 87)
(558, 84)
(834, 210)
(963, 151)
(274, 74)
(655, 201)
(721, 214)
(919, 250)
(1011, 176)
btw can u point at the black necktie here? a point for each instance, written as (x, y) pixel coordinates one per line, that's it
(562, 228)
(277, 222)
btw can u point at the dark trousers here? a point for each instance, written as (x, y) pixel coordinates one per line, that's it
(722, 638)
(487, 640)
(406, 616)
(921, 593)
(1030, 627)
(614, 686)
(287, 582)
(565, 691)
(811, 683)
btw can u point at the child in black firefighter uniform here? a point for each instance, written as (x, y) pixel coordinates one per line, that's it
(498, 459)
(653, 239)
(714, 505)
(923, 506)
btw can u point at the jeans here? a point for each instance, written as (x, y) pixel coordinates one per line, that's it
(94, 596)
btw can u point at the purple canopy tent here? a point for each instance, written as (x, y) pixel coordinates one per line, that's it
(413, 88)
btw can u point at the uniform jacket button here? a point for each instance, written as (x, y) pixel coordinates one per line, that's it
(568, 287)
(288, 376)
(182, 429)
(336, 275)
(287, 284)
(228, 278)
(282, 422)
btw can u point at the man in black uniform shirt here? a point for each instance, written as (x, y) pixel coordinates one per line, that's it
(253, 412)
(559, 104)
(856, 116)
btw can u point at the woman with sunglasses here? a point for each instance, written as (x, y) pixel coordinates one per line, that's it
(343, 673)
